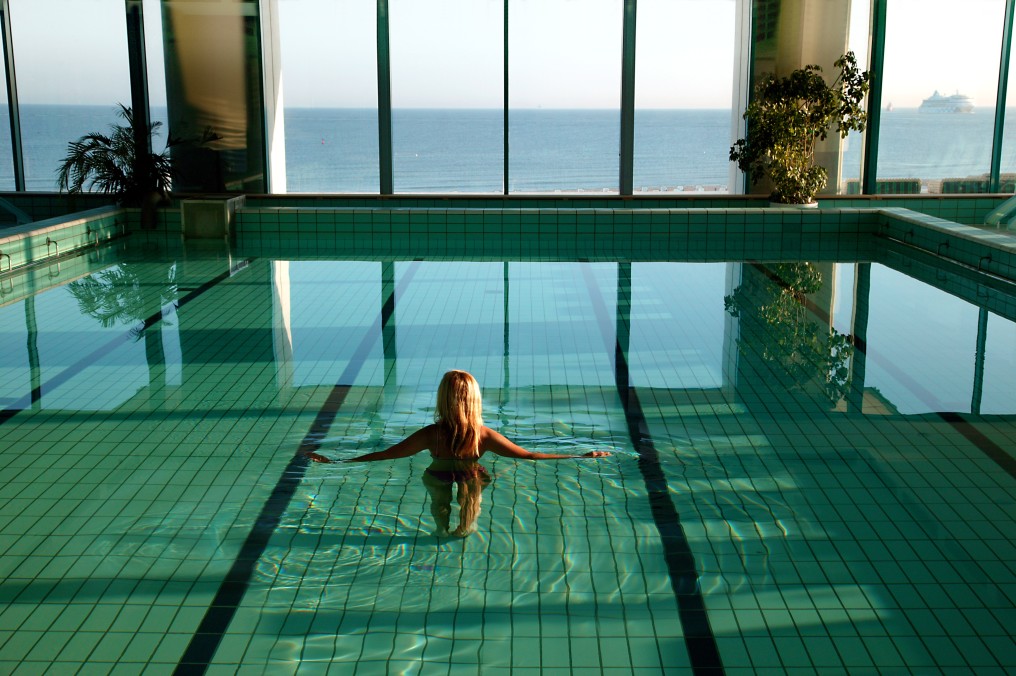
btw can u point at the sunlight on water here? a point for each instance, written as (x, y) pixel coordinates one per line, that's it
(753, 490)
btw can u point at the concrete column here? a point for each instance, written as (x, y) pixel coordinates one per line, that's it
(203, 335)
(214, 83)
(275, 123)
(742, 87)
(282, 325)
(731, 334)
(790, 34)
(824, 300)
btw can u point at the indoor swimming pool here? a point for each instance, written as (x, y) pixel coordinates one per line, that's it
(812, 465)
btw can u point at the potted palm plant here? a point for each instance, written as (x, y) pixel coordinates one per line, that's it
(788, 116)
(113, 165)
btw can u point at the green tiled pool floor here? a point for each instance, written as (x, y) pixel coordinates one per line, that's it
(831, 527)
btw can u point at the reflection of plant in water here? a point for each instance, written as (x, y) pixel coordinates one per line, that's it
(784, 336)
(117, 295)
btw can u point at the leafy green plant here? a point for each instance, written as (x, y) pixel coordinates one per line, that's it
(120, 295)
(788, 116)
(771, 303)
(112, 164)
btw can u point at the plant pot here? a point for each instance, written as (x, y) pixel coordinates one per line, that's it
(806, 205)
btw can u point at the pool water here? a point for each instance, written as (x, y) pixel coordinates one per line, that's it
(812, 467)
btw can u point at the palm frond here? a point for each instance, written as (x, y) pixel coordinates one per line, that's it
(112, 166)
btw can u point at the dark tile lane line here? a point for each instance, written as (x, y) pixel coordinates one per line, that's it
(965, 427)
(100, 352)
(201, 649)
(699, 639)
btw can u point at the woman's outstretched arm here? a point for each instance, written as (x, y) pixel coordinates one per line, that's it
(411, 445)
(497, 443)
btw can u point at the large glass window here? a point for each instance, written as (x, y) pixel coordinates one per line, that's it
(903, 338)
(329, 61)
(155, 57)
(940, 79)
(995, 393)
(853, 145)
(573, 349)
(71, 60)
(311, 295)
(1008, 166)
(679, 339)
(6, 152)
(447, 65)
(564, 95)
(45, 336)
(684, 66)
(427, 346)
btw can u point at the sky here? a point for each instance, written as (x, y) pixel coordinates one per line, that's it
(946, 45)
(448, 53)
(563, 53)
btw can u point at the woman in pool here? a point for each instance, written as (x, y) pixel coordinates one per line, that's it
(456, 441)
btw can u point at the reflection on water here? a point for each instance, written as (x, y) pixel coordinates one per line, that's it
(778, 326)
(469, 478)
(767, 473)
(373, 550)
(783, 331)
(124, 293)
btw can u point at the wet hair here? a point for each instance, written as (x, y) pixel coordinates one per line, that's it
(459, 413)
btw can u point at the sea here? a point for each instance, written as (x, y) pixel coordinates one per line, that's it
(335, 150)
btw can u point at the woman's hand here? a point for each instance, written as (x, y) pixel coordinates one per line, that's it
(316, 457)
(596, 454)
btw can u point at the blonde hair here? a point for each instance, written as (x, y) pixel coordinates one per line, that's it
(460, 413)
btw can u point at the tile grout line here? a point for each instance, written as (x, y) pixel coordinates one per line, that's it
(699, 639)
(982, 442)
(90, 359)
(200, 651)
(955, 419)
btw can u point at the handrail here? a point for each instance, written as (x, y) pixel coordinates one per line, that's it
(1004, 215)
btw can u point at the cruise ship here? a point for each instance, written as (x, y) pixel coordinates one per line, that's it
(957, 103)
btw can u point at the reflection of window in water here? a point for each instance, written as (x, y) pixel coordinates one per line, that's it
(469, 478)
(802, 351)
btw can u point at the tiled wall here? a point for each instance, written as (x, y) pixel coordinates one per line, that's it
(969, 209)
(33, 279)
(993, 294)
(437, 227)
(639, 234)
(41, 206)
(992, 251)
(167, 219)
(563, 201)
(49, 239)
